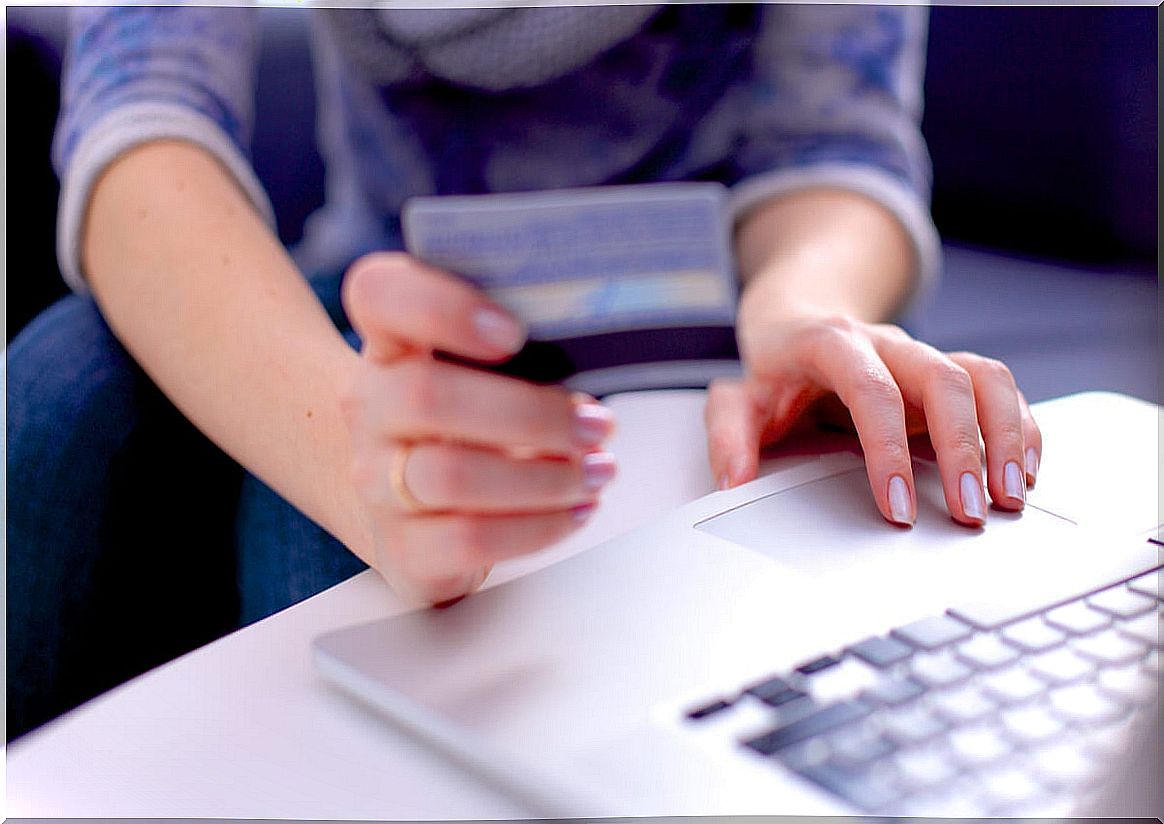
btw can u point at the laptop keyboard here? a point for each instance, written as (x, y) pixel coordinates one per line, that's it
(988, 709)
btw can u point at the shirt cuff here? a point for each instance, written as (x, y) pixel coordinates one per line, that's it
(876, 184)
(120, 130)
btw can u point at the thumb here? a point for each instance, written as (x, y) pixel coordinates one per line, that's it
(399, 305)
(733, 417)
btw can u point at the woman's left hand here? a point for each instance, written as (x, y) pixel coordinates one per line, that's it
(892, 386)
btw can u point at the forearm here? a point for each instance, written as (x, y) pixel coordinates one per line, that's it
(822, 251)
(208, 302)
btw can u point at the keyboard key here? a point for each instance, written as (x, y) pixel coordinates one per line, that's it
(1076, 618)
(707, 710)
(1059, 666)
(1149, 585)
(962, 704)
(1011, 686)
(933, 632)
(920, 768)
(1032, 635)
(881, 652)
(893, 691)
(808, 753)
(938, 669)
(1030, 725)
(1147, 629)
(1128, 683)
(1111, 647)
(977, 746)
(842, 681)
(910, 725)
(1121, 602)
(774, 692)
(986, 651)
(856, 744)
(864, 790)
(1064, 766)
(1085, 704)
(987, 615)
(815, 723)
(818, 664)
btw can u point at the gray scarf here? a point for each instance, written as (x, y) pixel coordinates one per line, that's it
(493, 49)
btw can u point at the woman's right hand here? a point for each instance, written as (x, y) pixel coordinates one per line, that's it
(457, 467)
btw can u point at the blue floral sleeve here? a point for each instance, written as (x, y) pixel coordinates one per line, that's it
(836, 100)
(135, 74)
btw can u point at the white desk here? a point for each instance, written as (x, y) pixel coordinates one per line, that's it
(245, 728)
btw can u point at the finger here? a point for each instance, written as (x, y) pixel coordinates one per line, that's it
(1001, 421)
(441, 476)
(397, 304)
(418, 398)
(436, 558)
(847, 364)
(945, 391)
(1033, 439)
(732, 420)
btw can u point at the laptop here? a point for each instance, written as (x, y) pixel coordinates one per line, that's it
(779, 648)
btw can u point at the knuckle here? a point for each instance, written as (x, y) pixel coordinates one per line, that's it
(964, 444)
(351, 404)
(947, 376)
(879, 385)
(370, 276)
(892, 331)
(996, 370)
(842, 324)
(1010, 432)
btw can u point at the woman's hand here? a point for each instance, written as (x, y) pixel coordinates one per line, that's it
(892, 386)
(457, 467)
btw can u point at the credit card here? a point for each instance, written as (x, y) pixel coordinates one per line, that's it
(579, 263)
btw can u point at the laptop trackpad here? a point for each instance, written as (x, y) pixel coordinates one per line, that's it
(832, 523)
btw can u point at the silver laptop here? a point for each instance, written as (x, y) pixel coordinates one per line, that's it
(781, 649)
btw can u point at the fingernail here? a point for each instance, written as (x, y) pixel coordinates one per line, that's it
(973, 498)
(899, 508)
(597, 470)
(1013, 483)
(498, 329)
(593, 423)
(725, 482)
(1032, 464)
(583, 512)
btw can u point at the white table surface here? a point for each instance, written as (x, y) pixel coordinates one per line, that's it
(245, 728)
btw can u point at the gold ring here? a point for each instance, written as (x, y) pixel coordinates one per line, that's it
(399, 484)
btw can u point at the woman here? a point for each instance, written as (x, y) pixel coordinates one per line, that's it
(409, 462)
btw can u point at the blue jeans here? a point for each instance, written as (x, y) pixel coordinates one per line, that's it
(131, 539)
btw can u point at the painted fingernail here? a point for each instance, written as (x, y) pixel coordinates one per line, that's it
(1032, 464)
(498, 329)
(597, 470)
(1013, 483)
(583, 512)
(899, 508)
(593, 423)
(973, 498)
